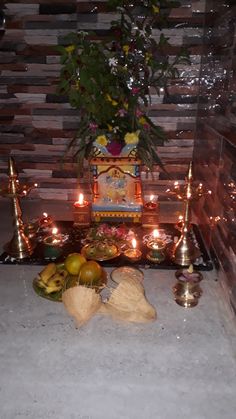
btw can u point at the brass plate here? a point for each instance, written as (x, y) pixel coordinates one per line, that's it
(101, 256)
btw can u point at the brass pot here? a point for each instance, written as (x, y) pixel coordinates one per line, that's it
(187, 292)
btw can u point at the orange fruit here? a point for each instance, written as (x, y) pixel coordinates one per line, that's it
(90, 272)
(74, 262)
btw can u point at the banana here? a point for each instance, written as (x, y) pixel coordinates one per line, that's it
(56, 282)
(48, 272)
(40, 283)
(60, 266)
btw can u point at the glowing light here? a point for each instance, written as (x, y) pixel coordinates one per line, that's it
(81, 199)
(134, 243)
(151, 198)
(156, 233)
(54, 230)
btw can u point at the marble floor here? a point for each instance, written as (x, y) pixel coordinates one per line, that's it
(182, 365)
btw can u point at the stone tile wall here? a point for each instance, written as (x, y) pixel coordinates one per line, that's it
(215, 144)
(36, 124)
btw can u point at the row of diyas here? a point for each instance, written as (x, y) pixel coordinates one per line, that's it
(155, 245)
(82, 210)
(54, 242)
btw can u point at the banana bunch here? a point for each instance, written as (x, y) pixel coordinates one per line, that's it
(52, 278)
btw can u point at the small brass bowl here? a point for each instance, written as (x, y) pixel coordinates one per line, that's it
(187, 292)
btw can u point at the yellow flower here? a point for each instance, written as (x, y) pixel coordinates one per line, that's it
(102, 140)
(142, 120)
(108, 97)
(70, 49)
(156, 9)
(113, 101)
(147, 57)
(126, 49)
(132, 137)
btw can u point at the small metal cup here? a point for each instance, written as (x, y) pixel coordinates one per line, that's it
(187, 293)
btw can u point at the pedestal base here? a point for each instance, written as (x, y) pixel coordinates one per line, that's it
(20, 247)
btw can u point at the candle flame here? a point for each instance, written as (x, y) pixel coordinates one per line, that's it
(81, 199)
(54, 230)
(134, 243)
(156, 233)
(151, 197)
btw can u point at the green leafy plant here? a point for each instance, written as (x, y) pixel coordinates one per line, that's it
(111, 82)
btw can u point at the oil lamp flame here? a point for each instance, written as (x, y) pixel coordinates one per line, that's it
(54, 230)
(134, 243)
(45, 214)
(151, 198)
(156, 233)
(81, 199)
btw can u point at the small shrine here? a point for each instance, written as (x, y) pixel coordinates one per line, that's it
(117, 193)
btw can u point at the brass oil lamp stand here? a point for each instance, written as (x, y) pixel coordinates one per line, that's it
(20, 246)
(184, 252)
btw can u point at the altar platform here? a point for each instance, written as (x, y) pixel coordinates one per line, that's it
(180, 366)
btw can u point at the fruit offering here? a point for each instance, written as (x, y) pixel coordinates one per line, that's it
(52, 278)
(90, 273)
(76, 270)
(74, 262)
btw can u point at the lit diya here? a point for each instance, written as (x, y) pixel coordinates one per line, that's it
(82, 213)
(133, 254)
(53, 245)
(81, 203)
(150, 205)
(46, 220)
(156, 248)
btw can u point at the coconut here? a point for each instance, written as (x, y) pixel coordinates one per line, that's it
(81, 303)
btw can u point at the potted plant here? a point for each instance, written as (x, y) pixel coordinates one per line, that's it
(111, 82)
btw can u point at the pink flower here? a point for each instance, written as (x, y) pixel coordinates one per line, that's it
(121, 232)
(139, 113)
(135, 90)
(114, 148)
(93, 126)
(104, 229)
(122, 112)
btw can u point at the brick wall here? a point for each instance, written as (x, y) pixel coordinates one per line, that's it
(36, 124)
